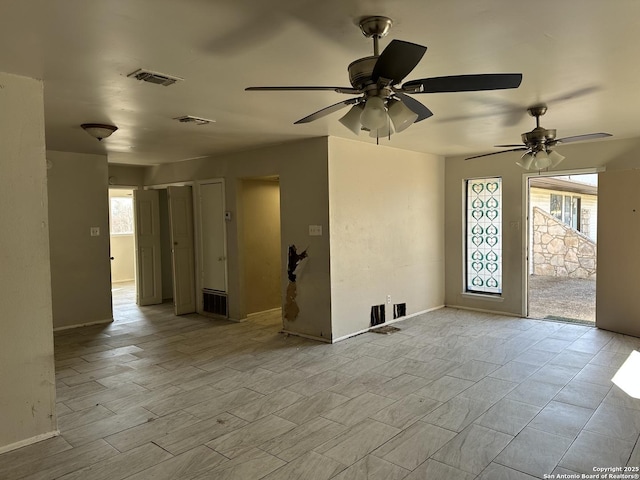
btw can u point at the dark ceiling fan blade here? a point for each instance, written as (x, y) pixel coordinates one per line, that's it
(580, 138)
(327, 110)
(397, 60)
(464, 83)
(496, 153)
(348, 90)
(513, 145)
(417, 107)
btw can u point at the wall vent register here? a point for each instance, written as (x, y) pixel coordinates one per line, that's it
(215, 302)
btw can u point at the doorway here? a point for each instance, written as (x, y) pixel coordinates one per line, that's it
(562, 244)
(122, 249)
(260, 246)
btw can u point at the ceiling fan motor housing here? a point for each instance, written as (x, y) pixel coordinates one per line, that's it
(360, 71)
(538, 137)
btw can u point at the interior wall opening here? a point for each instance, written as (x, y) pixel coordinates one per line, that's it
(261, 248)
(562, 244)
(122, 248)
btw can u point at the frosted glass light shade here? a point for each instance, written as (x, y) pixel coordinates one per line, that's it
(374, 115)
(401, 115)
(542, 161)
(351, 119)
(383, 132)
(99, 130)
(555, 158)
(526, 161)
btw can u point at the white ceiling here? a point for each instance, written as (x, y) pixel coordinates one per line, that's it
(579, 56)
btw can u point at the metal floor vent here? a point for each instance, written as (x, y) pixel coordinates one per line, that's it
(154, 77)
(192, 119)
(215, 302)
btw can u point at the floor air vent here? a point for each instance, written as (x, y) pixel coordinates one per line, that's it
(215, 302)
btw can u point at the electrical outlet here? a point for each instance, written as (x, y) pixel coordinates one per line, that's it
(95, 231)
(388, 298)
(315, 230)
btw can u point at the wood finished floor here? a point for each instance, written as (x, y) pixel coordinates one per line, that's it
(453, 395)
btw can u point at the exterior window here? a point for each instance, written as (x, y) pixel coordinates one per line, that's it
(555, 207)
(121, 216)
(484, 236)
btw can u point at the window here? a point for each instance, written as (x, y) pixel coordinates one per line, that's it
(555, 207)
(566, 209)
(484, 236)
(121, 216)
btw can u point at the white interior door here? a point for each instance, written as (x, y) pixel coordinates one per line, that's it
(212, 237)
(182, 249)
(148, 271)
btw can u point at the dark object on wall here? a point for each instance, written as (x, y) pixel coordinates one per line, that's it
(291, 309)
(294, 259)
(377, 314)
(399, 310)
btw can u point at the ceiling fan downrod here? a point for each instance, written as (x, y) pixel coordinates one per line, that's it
(375, 27)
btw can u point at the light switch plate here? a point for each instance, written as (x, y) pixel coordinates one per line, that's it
(315, 230)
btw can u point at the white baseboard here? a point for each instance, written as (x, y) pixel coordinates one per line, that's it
(97, 322)
(304, 335)
(484, 310)
(395, 320)
(277, 309)
(29, 441)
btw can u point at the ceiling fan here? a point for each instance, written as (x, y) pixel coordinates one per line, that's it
(382, 104)
(539, 142)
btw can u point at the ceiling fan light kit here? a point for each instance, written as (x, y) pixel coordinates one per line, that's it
(538, 144)
(376, 80)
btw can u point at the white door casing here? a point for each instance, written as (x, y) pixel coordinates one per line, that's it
(182, 248)
(147, 244)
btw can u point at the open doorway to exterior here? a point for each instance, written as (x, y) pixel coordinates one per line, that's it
(261, 248)
(122, 250)
(562, 247)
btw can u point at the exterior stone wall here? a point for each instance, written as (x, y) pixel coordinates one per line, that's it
(559, 250)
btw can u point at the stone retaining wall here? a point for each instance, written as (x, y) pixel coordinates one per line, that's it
(559, 250)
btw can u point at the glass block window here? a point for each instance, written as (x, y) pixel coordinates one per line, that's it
(484, 235)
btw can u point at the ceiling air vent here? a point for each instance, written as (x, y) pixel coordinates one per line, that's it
(154, 77)
(192, 119)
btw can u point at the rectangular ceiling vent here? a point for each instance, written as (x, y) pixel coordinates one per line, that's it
(196, 120)
(154, 77)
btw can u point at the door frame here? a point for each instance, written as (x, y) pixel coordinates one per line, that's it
(164, 186)
(526, 234)
(135, 261)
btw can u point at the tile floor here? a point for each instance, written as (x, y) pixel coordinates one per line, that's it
(453, 395)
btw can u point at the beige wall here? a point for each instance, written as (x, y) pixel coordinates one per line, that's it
(126, 175)
(387, 231)
(260, 205)
(302, 169)
(27, 388)
(80, 265)
(610, 154)
(617, 299)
